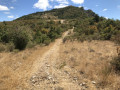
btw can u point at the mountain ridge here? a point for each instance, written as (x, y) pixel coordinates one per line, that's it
(69, 12)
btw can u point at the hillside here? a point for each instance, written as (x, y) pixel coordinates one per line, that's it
(69, 12)
(42, 28)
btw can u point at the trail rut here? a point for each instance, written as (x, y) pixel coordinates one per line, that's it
(45, 74)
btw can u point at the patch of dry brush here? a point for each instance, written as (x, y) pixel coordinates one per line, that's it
(91, 62)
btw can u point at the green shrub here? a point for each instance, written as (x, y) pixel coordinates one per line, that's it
(10, 47)
(47, 41)
(116, 38)
(116, 63)
(31, 45)
(2, 48)
(16, 50)
(20, 40)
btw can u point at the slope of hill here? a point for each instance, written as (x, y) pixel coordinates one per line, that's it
(69, 12)
(45, 27)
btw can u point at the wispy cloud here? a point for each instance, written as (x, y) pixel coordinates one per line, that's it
(96, 5)
(11, 7)
(105, 10)
(3, 8)
(6, 12)
(62, 1)
(10, 16)
(85, 8)
(60, 6)
(78, 1)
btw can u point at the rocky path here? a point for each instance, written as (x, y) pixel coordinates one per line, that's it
(46, 75)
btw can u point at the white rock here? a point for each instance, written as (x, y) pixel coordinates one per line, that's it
(83, 83)
(48, 65)
(93, 82)
(49, 77)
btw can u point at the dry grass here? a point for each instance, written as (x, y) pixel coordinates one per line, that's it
(15, 68)
(78, 63)
(90, 61)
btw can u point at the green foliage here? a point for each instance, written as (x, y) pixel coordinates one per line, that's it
(31, 44)
(97, 28)
(10, 47)
(69, 12)
(21, 32)
(116, 38)
(96, 18)
(116, 64)
(20, 40)
(47, 41)
(45, 27)
(2, 47)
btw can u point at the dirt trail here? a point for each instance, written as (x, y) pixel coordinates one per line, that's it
(46, 75)
(53, 51)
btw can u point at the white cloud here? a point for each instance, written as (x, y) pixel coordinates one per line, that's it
(62, 1)
(60, 6)
(42, 4)
(78, 1)
(11, 16)
(105, 9)
(6, 12)
(11, 7)
(3, 8)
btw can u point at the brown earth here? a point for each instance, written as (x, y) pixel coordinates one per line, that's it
(68, 66)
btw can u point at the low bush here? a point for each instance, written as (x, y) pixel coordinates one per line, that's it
(30, 44)
(2, 48)
(116, 64)
(20, 40)
(47, 41)
(10, 47)
(116, 38)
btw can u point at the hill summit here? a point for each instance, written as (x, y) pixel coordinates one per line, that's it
(69, 12)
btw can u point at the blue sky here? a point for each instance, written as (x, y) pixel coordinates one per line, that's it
(12, 9)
